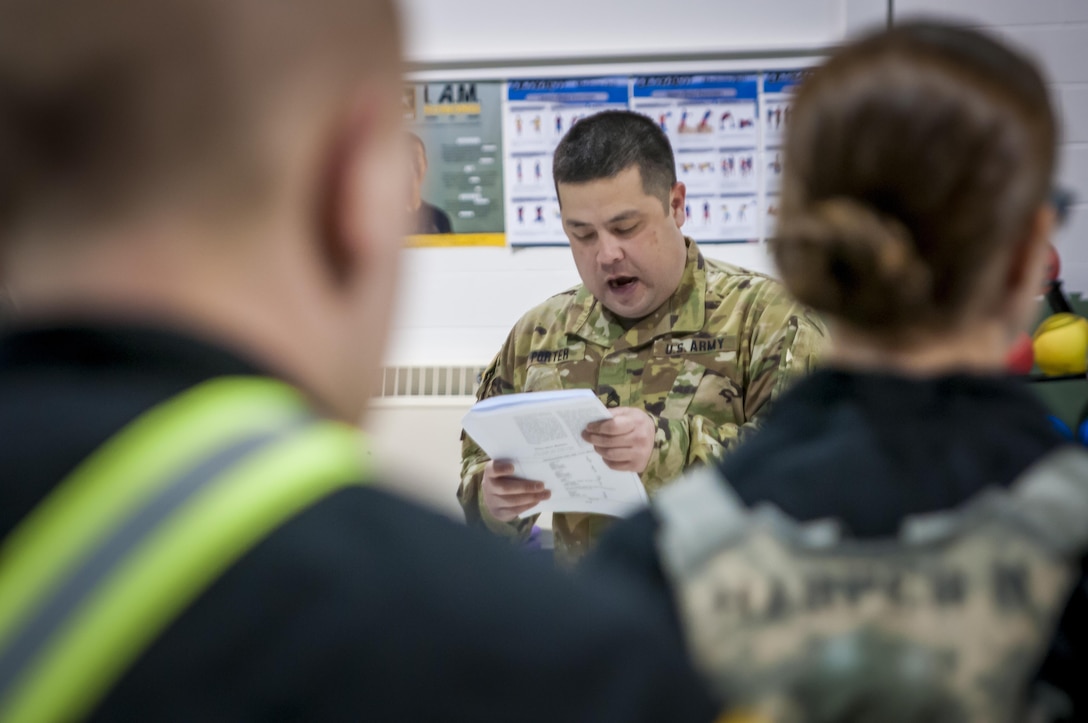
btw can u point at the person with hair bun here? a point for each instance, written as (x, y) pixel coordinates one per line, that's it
(905, 535)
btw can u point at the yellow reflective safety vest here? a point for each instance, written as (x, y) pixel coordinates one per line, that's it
(947, 622)
(144, 525)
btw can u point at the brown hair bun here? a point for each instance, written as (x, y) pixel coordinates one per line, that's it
(841, 257)
(913, 166)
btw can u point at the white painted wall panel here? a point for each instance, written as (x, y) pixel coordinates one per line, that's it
(1073, 101)
(992, 12)
(488, 30)
(1070, 242)
(1075, 10)
(1063, 49)
(399, 432)
(1074, 170)
(864, 15)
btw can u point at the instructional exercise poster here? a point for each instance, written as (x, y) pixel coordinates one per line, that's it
(538, 113)
(456, 155)
(482, 151)
(711, 122)
(778, 90)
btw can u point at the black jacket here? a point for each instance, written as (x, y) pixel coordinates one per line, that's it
(364, 607)
(869, 450)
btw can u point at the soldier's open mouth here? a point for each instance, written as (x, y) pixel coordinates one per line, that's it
(621, 282)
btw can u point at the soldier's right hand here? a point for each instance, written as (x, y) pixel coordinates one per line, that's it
(507, 496)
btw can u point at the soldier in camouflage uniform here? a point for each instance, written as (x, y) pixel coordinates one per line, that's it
(698, 365)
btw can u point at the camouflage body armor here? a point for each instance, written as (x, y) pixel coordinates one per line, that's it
(946, 622)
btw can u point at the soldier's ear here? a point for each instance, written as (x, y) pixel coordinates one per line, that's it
(677, 198)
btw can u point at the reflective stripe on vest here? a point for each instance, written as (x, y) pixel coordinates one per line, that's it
(131, 537)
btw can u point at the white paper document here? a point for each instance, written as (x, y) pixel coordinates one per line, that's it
(541, 433)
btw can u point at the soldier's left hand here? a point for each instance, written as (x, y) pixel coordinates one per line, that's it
(626, 441)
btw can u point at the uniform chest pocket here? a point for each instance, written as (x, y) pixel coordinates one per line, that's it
(542, 378)
(710, 387)
(680, 386)
(684, 388)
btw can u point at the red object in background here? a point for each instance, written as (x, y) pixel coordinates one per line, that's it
(1021, 356)
(1053, 265)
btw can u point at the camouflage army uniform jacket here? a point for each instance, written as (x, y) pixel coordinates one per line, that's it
(703, 365)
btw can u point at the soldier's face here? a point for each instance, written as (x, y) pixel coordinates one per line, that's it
(627, 246)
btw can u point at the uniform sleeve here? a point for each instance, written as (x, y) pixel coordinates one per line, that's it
(781, 341)
(496, 379)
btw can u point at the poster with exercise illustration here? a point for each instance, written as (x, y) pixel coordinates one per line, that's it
(778, 89)
(455, 152)
(481, 152)
(538, 114)
(712, 124)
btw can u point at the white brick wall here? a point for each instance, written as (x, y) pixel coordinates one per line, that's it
(1073, 100)
(1056, 33)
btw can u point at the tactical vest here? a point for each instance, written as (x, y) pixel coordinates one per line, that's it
(144, 525)
(946, 622)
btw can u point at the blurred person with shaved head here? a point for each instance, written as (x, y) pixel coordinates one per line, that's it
(200, 220)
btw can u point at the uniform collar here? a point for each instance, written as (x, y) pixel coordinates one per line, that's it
(683, 312)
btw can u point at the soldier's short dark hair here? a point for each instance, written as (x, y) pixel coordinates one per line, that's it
(608, 143)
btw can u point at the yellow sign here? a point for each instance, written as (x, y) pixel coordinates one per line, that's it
(433, 240)
(452, 109)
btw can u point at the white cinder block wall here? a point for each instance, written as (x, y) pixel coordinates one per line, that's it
(1056, 33)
